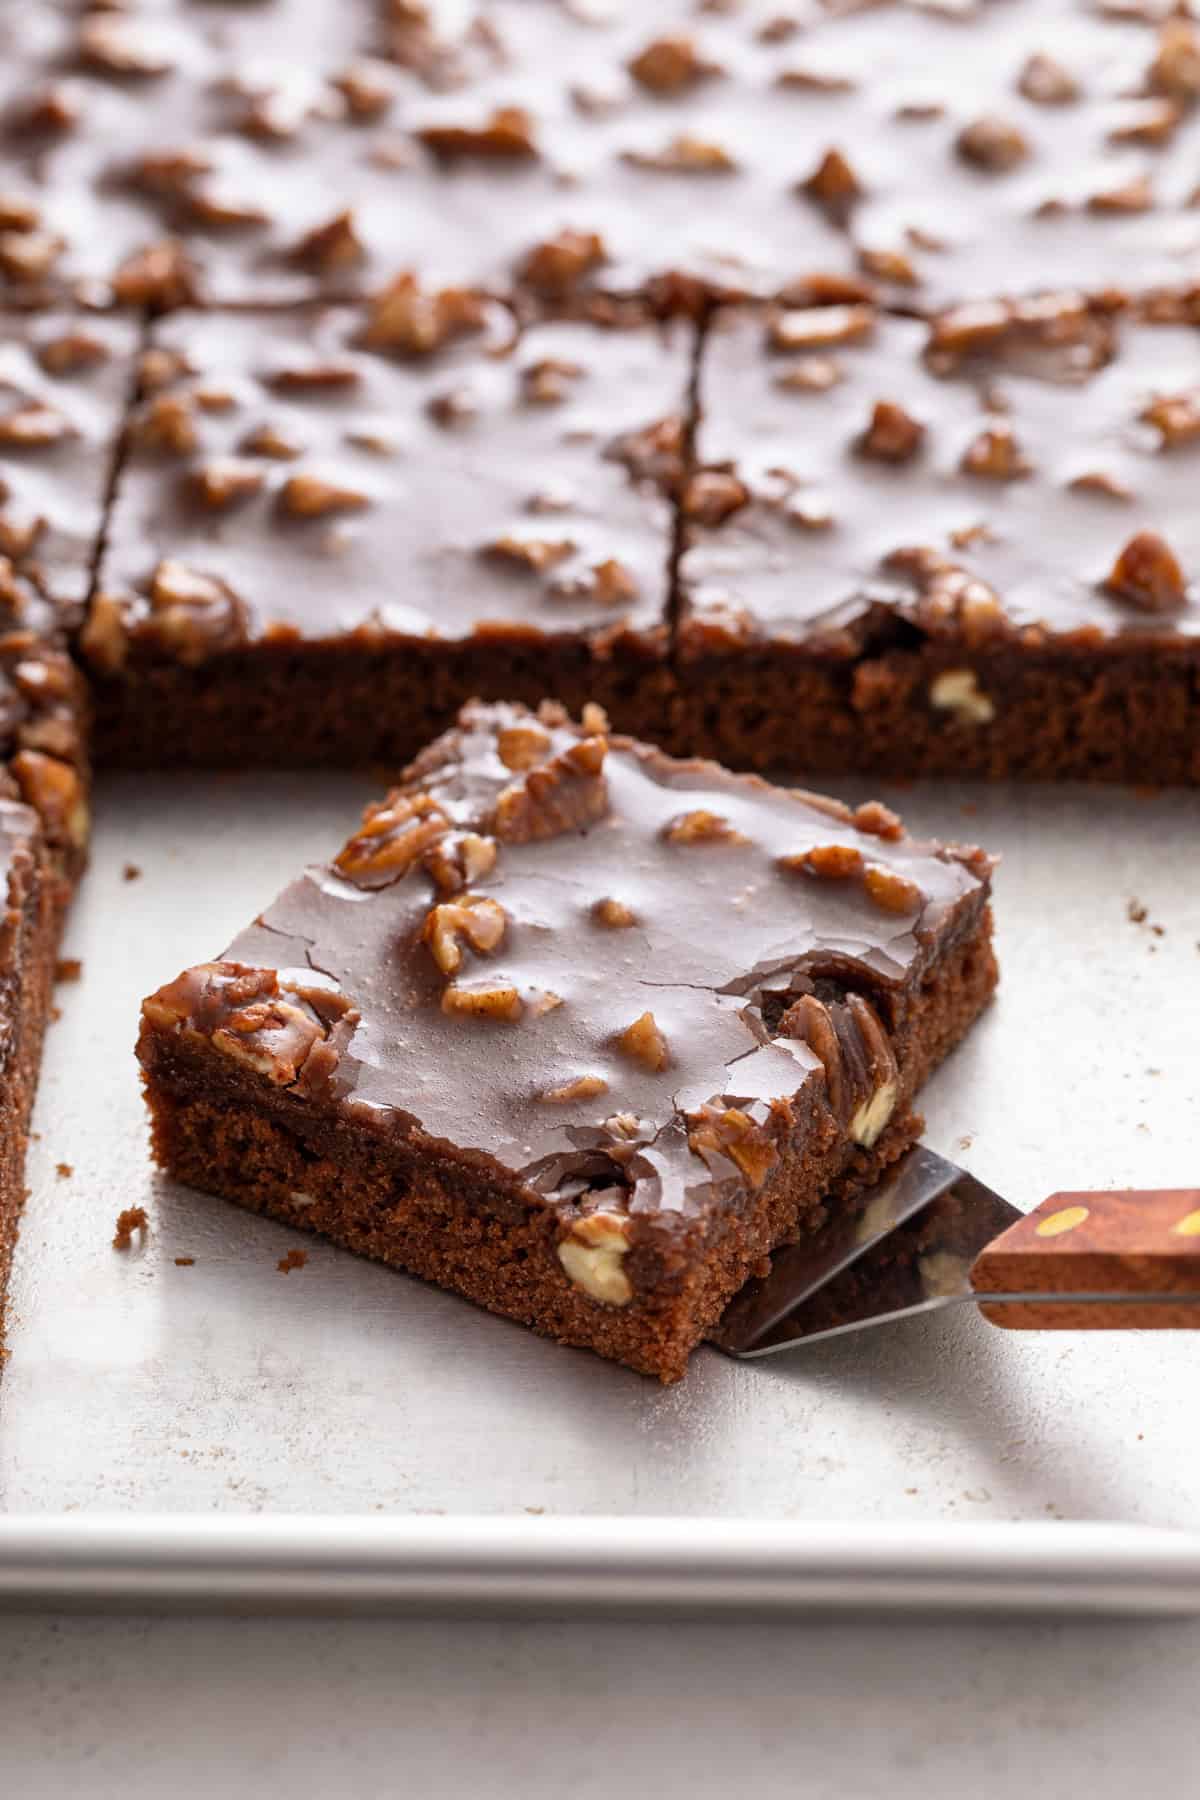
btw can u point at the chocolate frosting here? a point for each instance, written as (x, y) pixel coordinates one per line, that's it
(565, 959)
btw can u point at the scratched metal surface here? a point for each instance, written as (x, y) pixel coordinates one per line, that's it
(136, 1383)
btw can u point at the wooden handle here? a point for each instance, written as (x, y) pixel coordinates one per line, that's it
(1127, 1242)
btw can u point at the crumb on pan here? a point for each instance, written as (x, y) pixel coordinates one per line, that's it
(295, 1259)
(132, 1219)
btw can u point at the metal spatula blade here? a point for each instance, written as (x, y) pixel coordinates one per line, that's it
(930, 1235)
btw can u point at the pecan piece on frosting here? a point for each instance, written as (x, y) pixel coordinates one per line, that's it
(558, 796)
(557, 264)
(191, 616)
(992, 144)
(717, 1133)
(395, 834)
(475, 919)
(645, 1043)
(833, 186)
(670, 65)
(506, 136)
(893, 436)
(1147, 575)
(410, 320)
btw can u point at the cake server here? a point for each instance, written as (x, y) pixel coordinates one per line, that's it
(929, 1235)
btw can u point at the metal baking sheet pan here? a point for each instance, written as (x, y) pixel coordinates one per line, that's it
(218, 1432)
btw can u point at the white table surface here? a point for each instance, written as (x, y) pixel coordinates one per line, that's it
(178, 1707)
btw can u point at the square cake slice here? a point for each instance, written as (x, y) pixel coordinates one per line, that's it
(963, 547)
(334, 527)
(575, 1029)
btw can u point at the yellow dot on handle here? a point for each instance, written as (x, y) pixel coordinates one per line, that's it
(1189, 1227)
(1066, 1220)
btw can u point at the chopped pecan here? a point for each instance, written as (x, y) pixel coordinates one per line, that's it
(367, 89)
(1147, 575)
(614, 914)
(507, 135)
(458, 858)
(814, 328)
(160, 277)
(119, 46)
(583, 1087)
(888, 265)
(308, 497)
(645, 1043)
(395, 834)
(271, 440)
(31, 427)
(712, 495)
(71, 352)
(330, 375)
(891, 891)
(950, 598)
(861, 1077)
(55, 792)
(502, 1002)
(684, 155)
(192, 616)
(1098, 481)
(958, 691)
(475, 918)
(892, 436)
(535, 554)
(606, 583)
(670, 65)
(561, 795)
(1046, 82)
(701, 827)
(413, 321)
(656, 452)
(166, 422)
(224, 482)
(833, 186)
(548, 381)
(592, 1255)
(50, 111)
(1176, 417)
(1154, 124)
(995, 455)
(992, 144)
(1175, 68)
(725, 1132)
(331, 246)
(522, 747)
(828, 862)
(556, 265)
(105, 637)
(878, 820)
(1135, 196)
(29, 255)
(810, 375)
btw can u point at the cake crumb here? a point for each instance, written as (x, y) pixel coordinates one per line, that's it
(131, 872)
(1136, 913)
(295, 1259)
(184, 1262)
(64, 1171)
(132, 1219)
(68, 968)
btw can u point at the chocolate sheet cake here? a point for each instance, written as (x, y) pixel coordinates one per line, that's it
(575, 1029)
